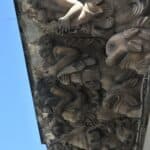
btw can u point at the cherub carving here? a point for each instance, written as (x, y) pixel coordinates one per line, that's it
(109, 12)
(130, 50)
(118, 134)
(53, 9)
(83, 12)
(84, 73)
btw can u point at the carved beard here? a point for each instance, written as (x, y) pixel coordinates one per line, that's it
(135, 61)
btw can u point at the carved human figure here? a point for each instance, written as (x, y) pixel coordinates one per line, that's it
(126, 131)
(130, 50)
(84, 75)
(54, 8)
(74, 110)
(65, 98)
(66, 51)
(85, 13)
(81, 98)
(67, 60)
(64, 56)
(109, 12)
(70, 106)
(126, 16)
(102, 136)
(93, 138)
(124, 98)
(77, 137)
(59, 127)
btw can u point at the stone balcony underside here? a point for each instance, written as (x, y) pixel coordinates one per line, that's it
(88, 63)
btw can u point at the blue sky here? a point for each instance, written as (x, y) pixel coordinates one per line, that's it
(18, 127)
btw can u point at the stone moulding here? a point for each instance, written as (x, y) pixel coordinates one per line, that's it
(89, 68)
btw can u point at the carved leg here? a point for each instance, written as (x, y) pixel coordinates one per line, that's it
(65, 98)
(66, 55)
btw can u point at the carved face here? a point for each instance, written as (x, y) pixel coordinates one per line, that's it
(122, 102)
(129, 50)
(116, 49)
(91, 79)
(125, 135)
(59, 127)
(94, 139)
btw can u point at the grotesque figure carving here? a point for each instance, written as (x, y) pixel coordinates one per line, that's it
(130, 49)
(109, 12)
(125, 131)
(124, 98)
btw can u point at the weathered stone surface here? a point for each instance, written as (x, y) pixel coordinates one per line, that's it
(89, 66)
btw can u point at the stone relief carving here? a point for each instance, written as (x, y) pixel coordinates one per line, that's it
(91, 79)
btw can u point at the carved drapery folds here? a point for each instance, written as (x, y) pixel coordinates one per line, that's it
(89, 64)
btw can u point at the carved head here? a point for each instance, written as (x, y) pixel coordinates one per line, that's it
(125, 132)
(121, 101)
(118, 46)
(94, 137)
(91, 79)
(59, 126)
